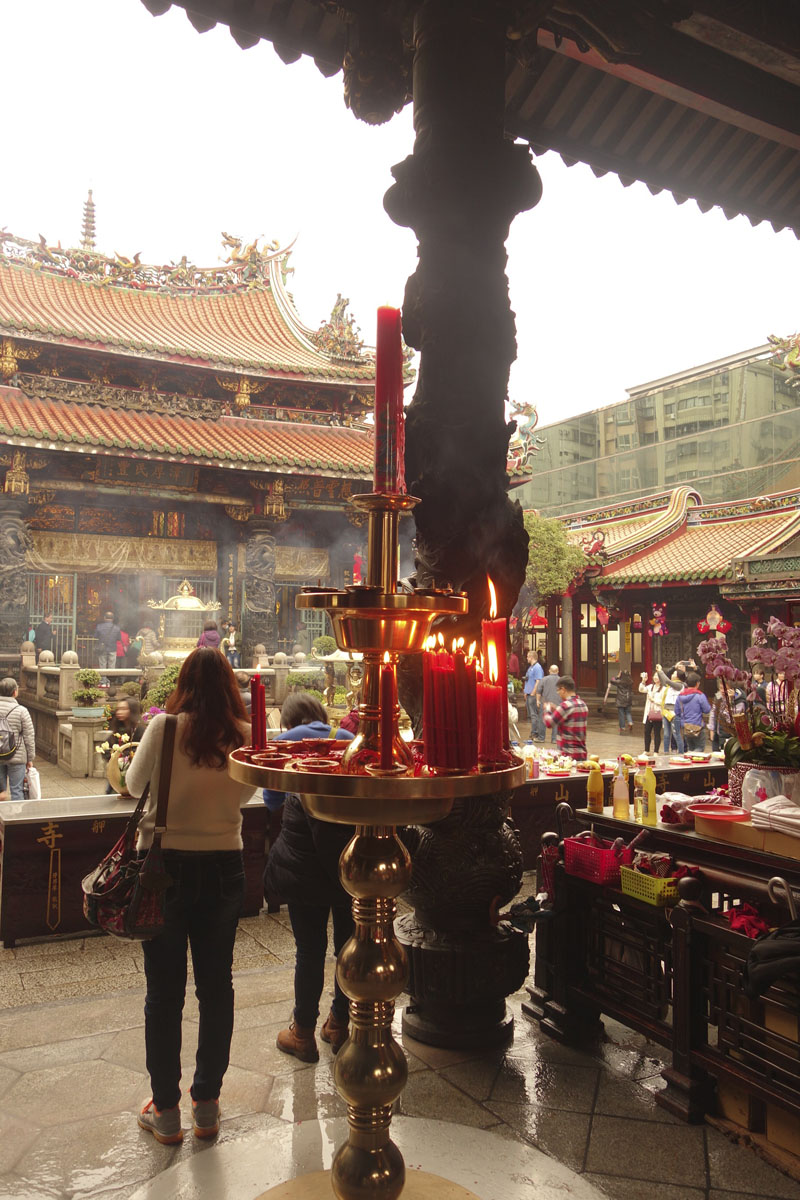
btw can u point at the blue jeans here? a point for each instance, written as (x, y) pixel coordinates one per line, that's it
(12, 777)
(202, 909)
(536, 717)
(673, 736)
(696, 741)
(624, 716)
(234, 658)
(310, 929)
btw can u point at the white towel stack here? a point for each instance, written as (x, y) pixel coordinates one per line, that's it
(779, 813)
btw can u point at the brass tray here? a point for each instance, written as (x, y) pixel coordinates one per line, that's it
(376, 799)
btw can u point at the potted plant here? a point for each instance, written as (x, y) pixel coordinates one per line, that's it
(87, 694)
(766, 723)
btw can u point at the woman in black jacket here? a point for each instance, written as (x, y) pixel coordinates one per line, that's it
(303, 869)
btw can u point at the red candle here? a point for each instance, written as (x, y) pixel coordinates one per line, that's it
(258, 713)
(491, 703)
(255, 687)
(387, 702)
(389, 433)
(466, 713)
(496, 630)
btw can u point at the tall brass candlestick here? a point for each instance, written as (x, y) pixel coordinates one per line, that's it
(382, 622)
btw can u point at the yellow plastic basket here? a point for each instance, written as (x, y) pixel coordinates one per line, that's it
(649, 888)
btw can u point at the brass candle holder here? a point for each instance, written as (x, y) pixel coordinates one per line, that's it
(377, 619)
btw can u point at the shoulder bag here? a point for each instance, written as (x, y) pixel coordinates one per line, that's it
(125, 894)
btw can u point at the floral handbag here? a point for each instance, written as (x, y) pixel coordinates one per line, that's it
(124, 895)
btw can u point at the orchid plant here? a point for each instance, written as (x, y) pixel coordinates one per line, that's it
(766, 732)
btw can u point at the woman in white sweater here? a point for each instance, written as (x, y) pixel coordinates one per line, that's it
(203, 855)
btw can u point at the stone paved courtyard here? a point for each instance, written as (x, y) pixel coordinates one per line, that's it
(72, 1074)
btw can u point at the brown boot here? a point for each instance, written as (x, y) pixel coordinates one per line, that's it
(298, 1041)
(335, 1032)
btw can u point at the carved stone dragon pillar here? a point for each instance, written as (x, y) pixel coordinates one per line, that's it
(459, 191)
(14, 542)
(259, 617)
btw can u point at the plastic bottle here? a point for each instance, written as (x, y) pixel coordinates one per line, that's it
(620, 796)
(595, 791)
(529, 754)
(638, 795)
(649, 814)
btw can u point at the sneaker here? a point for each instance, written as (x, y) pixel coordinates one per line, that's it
(300, 1042)
(335, 1032)
(205, 1118)
(165, 1126)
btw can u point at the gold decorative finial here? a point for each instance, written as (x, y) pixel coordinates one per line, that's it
(87, 236)
(10, 356)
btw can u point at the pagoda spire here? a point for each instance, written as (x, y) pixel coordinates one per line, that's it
(87, 234)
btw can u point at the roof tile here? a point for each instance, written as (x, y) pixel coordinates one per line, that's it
(698, 552)
(241, 329)
(232, 439)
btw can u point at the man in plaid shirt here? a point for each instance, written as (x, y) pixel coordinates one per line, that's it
(569, 719)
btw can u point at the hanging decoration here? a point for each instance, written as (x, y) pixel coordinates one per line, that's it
(658, 621)
(603, 616)
(713, 622)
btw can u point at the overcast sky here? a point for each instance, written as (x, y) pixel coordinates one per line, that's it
(182, 135)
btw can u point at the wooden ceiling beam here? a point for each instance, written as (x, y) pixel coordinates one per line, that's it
(697, 76)
(774, 23)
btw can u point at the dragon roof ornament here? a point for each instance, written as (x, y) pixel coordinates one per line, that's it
(786, 355)
(245, 266)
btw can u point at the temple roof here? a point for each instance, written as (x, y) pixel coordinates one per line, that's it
(699, 552)
(701, 99)
(237, 315)
(679, 539)
(280, 446)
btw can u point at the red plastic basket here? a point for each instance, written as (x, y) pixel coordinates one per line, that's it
(598, 864)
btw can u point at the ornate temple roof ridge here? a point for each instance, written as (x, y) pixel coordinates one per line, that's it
(245, 266)
(626, 510)
(237, 315)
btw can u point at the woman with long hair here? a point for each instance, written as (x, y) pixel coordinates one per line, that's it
(203, 856)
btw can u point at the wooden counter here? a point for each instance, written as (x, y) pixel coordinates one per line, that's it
(47, 846)
(677, 977)
(533, 804)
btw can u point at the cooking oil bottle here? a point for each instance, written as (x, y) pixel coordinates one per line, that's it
(620, 797)
(594, 790)
(638, 795)
(649, 814)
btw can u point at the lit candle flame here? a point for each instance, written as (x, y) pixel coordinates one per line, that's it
(491, 654)
(460, 644)
(430, 643)
(440, 640)
(492, 599)
(472, 648)
(386, 657)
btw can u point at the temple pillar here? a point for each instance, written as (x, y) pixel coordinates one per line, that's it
(258, 595)
(567, 637)
(14, 542)
(459, 192)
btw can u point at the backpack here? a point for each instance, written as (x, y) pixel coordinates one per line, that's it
(8, 741)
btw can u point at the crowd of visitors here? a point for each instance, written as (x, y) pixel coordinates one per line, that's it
(678, 714)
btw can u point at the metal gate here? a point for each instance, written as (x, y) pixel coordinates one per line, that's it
(55, 595)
